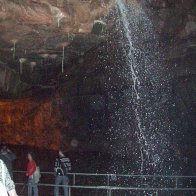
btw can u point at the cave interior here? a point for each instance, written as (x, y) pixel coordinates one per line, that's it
(62, 79)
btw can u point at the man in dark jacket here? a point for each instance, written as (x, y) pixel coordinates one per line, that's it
(7, 156)
(62, 167)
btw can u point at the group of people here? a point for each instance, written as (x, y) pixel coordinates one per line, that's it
(61, 168)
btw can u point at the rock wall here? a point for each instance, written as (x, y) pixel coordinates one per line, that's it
(174, 17)
(10, 83)
(31, 122)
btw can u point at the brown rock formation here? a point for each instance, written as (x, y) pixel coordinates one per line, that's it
(30, 121)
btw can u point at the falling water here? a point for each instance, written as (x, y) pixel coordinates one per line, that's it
(63, 59)
(14, 50)
(132, 63)
(22, 61)
(32, 65)
(144, 60)
(123, 11)
(14, 41)
(57, 13)
(59, 17)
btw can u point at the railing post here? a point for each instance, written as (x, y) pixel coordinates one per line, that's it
(108, 180)
(176, 182)
(157, 193)
(74, 179)
(109, 192)
(69, 191)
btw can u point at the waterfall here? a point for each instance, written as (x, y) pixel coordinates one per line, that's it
(123, 12)
(144, 61)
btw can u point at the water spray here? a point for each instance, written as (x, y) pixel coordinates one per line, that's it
(22, 61)
(63, 55)
(32, 65)
(14, 41)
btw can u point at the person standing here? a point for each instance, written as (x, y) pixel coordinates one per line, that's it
(7, 156)
(62, 167)
(31, 169)
(6, 183)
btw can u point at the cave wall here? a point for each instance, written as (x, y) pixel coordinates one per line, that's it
(31, 122)
(173, 17)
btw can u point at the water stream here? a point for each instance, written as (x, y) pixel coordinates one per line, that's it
(150, 89)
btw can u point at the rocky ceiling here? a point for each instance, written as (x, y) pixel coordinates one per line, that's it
(40, 39)
(34, 33)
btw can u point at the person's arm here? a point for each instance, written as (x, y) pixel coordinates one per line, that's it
(56, 166)
(12, 192)
(27, 172)
(9, 184)
(66, 164)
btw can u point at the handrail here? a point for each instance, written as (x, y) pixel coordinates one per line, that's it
(115, 188)
(119, 175)
(111, 188)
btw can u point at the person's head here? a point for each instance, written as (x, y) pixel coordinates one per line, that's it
(30, 156)
(4, 149)
(61, 154)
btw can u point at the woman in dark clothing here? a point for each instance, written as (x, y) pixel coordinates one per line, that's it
(7, 156)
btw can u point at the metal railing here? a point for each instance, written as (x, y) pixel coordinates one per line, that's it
(110, 187)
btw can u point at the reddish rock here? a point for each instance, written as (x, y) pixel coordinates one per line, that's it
(28, 121)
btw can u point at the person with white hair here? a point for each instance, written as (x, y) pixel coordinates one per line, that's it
(7, 186)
